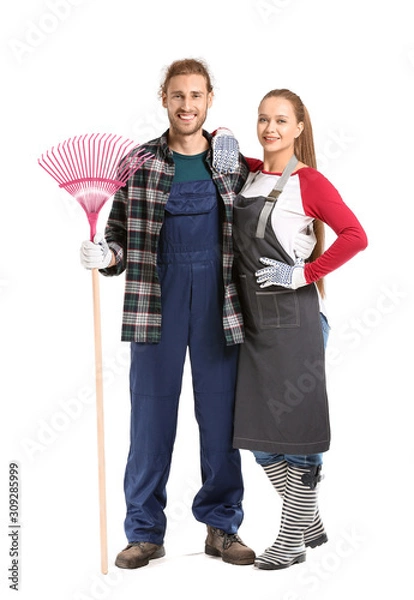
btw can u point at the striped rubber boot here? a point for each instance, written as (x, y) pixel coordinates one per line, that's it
(315, 534)
(298, 513)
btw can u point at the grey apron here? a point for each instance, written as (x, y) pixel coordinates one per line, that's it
(281, 400)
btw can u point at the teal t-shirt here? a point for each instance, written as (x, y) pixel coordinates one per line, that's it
(190, 168)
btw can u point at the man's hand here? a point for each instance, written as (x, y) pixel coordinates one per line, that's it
(225, 149)
(96, 254)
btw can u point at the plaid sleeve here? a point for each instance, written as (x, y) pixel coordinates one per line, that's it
(229, 185)
(116, 232)
(232, 316)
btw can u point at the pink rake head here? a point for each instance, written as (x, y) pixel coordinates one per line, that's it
(89, 167)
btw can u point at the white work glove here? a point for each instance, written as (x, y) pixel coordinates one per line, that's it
(96, 254)
(304, 243)
(225, 149)
(279, 273)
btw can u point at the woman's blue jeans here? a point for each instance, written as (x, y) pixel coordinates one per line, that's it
(297, 460)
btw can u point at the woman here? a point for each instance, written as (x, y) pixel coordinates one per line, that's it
(281, 402)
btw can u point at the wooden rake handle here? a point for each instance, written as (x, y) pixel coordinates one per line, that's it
(100, 420)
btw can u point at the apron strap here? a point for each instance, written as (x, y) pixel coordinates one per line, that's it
(273, 197)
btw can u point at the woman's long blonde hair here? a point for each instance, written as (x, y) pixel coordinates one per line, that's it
(305, 152)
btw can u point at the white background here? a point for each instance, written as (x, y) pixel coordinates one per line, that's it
(95, 66)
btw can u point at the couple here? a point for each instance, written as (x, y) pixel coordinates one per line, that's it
(216, 263)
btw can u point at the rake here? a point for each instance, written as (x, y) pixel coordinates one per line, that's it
(92, 167)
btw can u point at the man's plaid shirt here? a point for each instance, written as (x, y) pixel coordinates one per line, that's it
(133, 231)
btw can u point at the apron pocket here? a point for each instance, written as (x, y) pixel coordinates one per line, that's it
(278, 309)
(192, 205)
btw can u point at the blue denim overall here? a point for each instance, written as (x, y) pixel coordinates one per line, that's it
(190, 272)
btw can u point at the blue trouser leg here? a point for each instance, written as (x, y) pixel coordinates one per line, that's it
(214, 366)
(192, 305)
(155, 380)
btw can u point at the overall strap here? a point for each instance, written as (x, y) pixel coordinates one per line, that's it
(273, 197)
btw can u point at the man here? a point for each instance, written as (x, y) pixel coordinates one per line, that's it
(170, 228)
